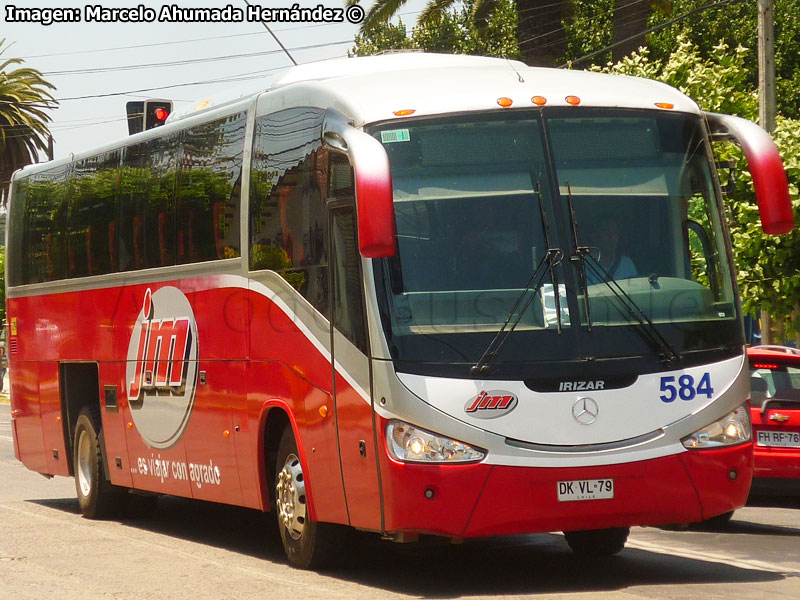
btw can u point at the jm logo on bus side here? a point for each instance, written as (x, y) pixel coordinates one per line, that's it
(161, 372)
(491, 405)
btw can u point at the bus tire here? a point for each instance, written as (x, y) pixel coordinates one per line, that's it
(597, 542)
(97, 498)
(308, 544)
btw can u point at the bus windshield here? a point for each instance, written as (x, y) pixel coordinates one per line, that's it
(629, 199)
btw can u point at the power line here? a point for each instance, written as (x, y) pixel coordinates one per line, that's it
(540, 7)
(84, 125)
(233, 78)
(620, 22)
(608, 13)
(137, 46)
(652, 30)
(175, 42)
(188, 60)
(176, 85)
(229, 79)
(285, 51)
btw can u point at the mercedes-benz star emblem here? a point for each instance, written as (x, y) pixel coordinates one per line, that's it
(585, 411)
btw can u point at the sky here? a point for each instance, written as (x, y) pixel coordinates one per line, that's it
(111, 55)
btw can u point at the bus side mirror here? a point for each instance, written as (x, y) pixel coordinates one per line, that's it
(766, 167)
(373, 184)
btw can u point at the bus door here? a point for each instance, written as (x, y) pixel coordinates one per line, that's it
(351, 372)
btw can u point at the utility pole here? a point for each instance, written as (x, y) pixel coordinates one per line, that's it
(766, 101)
(766, 65)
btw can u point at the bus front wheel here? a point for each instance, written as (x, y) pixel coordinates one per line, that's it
(598, 542)
(308, 544)
(96, 496)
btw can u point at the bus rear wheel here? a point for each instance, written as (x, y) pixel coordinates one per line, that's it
(598, 542)
(308, 544)
(97, 498)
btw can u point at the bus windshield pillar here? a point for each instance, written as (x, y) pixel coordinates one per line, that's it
(373, 184)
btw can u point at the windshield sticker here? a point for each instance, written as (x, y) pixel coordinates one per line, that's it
(395, 135)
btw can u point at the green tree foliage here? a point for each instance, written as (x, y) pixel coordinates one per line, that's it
(450, 31)
(593, 23)
(736, 25)
(476, 20)
(768, 266)
(590, 29)
(547, 32)
(24, 96)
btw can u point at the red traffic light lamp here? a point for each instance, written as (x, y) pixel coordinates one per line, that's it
(156, 112)
(143, 115)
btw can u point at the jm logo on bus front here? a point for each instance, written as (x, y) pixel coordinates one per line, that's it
(491, 405)
(161, 372)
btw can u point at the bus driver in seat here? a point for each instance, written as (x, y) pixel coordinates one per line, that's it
(607, 251)
(492, 253)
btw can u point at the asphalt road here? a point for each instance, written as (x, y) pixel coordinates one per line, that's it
(201, 550)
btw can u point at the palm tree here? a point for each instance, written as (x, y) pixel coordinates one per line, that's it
(24, 96)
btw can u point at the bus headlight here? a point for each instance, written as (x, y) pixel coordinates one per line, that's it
(733, 428)
(409, 443)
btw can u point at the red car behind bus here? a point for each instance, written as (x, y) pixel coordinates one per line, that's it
(775, 412)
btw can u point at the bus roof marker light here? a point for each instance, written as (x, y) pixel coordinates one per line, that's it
(505, 102)
(404, 113)
(539, 100)
(665, 105)
(573, 100)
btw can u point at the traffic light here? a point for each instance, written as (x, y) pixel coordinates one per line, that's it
(135, 111)
(143, 115)
(156, 112)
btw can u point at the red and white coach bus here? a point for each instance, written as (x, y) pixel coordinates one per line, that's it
(412, 294)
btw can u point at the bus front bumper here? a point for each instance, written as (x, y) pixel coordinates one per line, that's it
(486, 500)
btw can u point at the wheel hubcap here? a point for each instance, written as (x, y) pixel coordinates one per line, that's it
(290, 497)
(84, 463)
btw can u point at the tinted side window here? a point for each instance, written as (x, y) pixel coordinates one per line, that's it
(16, 222)
(288, 216)
(348, 295)
(91, 221)
(133, 196)
(209, 190)
(147, 204)
(160, 215)
(43, 235)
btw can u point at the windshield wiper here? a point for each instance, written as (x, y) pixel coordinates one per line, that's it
(579, 253)
(667, 354)
(548, 262)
